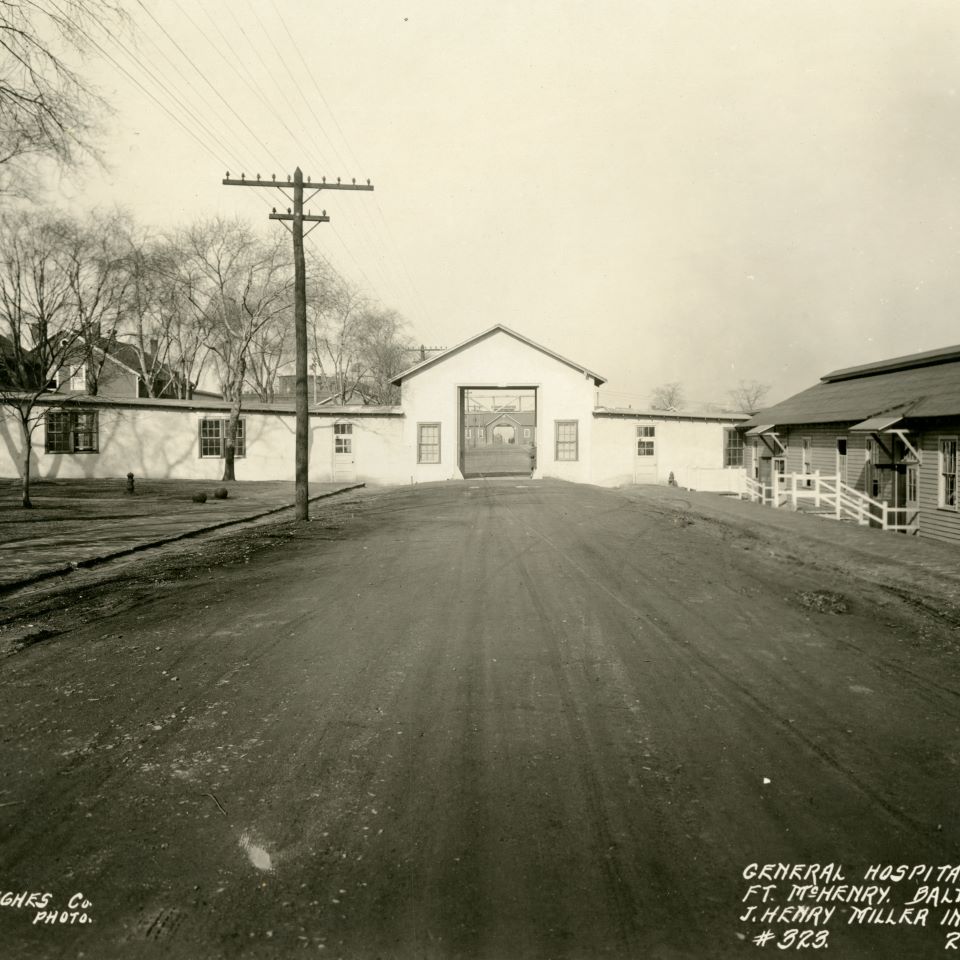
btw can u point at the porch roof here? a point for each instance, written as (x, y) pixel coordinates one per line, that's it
(875, 424)
(763, 428)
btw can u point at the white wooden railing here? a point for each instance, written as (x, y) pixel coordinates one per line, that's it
(756, 492)
(830, 494)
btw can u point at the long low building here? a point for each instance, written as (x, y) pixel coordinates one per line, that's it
(496, 404)
(877, 442)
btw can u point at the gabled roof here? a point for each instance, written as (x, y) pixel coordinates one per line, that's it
(925, 385)
(126, 355)
(497, 328)
(495, 417)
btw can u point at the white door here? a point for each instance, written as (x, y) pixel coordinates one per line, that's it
(344, 465)
(645, 460)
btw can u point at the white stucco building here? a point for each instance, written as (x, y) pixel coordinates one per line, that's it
(496, 404)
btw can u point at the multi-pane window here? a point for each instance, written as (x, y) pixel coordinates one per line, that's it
(428, 443)
(566, 440)
(343, 438)
(85, 433)
(732, 448)
(58, 433)
(481, 434)
(526, 433)
(71, 432)
(213, 438)
(73, 378)
(948, 473)
(469, 433)
(646, 440)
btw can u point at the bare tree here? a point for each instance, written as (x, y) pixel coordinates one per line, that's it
(237, 283)
(748, 396)
(98, 275)
(160, 323)
(269, 349)
(39, 335)
(334, 315)
(47, 110)
(355, 346)
(384, 347)
(145, 319)
(668, 396)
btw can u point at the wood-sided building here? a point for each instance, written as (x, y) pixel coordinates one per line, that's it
(888, 431)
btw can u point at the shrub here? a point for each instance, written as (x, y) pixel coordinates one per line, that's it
(221, 493)
(199, 498)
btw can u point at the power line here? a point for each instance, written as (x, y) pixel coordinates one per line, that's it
(365, 237)
(93, 42)
(230, 64)
(256, 52)
(205, 79)
(353, 156)
(179, 101)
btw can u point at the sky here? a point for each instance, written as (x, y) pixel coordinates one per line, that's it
(660, 190)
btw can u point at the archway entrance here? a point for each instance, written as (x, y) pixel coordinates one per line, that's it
(498, 431)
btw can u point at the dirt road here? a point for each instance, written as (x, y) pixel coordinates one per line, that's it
(491, 719)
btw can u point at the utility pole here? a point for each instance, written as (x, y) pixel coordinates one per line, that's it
(297, 217)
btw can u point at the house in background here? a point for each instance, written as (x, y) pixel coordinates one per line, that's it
(876, 442)
(108, 367)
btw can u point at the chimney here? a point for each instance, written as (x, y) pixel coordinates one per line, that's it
(154, 345)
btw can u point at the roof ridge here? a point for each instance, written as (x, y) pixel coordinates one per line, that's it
(909, 361)
(486, 333)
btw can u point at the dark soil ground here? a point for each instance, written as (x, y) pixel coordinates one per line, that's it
(491, 719)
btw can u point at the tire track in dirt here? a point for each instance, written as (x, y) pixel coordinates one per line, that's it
(745, 694)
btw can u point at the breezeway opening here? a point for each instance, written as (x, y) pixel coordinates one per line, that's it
(498, 431)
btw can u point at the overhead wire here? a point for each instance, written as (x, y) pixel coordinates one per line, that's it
(206, 80)
(231, 150)
(109, 57)
(180, 101)
(365, 236)
(226, 60)
(163, 87)
(349, 149)
(187, 113)
(255, 90)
